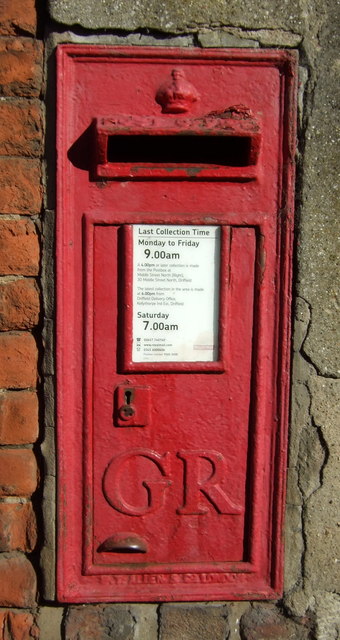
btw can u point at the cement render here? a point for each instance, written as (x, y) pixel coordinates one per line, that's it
(174, 16)
(312, 517)
(319, 246)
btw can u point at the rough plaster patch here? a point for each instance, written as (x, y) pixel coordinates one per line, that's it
(176, 16)
(220, 38)
(47, 275)
(312, 457)
(48, 451)
(294, 547)
(300, 401)
(312, 522)
(48, 553)
(298, 602)
(318, 242)
(303, 80)
(49, 396)
(274, 37)
(146, 619)
(132, 39)
(322, 523)
(49, 622)
(300, 422)
(235, 612)
(328, 616)
(48, 344)
(48, 556)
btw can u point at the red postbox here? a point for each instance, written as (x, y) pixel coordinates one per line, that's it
(174, 220)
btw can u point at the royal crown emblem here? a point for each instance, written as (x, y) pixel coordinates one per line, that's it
(176, 95)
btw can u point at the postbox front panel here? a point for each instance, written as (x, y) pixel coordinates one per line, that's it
(174, 225)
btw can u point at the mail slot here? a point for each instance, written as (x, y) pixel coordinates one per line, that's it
(174, 241)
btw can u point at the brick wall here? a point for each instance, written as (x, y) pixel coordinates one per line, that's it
(21, 147)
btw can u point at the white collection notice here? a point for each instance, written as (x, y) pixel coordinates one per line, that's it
(175, 293)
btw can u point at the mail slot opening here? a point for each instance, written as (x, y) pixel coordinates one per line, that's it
(219, 150)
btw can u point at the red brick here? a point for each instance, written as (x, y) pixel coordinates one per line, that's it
(21, 626)
(18, 472)
(18, 357)
(21, 127)
(19, 248)
(20, 185)
(17, 16)
(18, 582)
(20, 67)
(18, 417)
(18, 528)
(19, 304)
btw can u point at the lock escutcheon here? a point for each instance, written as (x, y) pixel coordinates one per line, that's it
(132, 406)
(126, 412)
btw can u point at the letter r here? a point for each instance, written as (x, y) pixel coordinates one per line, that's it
(195, 486)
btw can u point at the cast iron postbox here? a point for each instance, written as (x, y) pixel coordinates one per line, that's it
(175, 173)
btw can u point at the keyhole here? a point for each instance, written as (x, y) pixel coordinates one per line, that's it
(128, 396)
